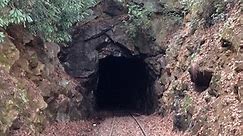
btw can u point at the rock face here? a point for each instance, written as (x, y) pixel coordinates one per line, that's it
(99, 39)
(18, 95)
(106, 36)
(34, 88)
(200, 59)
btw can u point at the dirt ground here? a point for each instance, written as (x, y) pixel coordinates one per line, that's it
(110, 124)
(115, 125)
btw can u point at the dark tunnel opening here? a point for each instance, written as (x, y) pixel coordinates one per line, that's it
(123, 85)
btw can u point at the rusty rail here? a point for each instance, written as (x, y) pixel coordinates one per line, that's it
(139, 125)
(134, 118)
(112, 125)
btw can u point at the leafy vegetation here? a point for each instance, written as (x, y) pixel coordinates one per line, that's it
(50, 19)
(139, 18)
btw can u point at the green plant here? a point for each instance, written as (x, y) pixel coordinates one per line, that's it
(50, 19)
(139, 19)
(186, 103)
(2, 36)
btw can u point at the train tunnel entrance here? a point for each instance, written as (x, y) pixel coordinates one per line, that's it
(123, 85)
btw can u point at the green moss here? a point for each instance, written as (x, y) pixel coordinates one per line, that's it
(187, 102)
(2, 86)
(14, 102)
(228, 32)
(8, 54)
(8, 113)
(3, 59)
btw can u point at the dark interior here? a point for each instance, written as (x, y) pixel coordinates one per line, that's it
(123, 85)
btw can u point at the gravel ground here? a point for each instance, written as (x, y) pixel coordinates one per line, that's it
(117, 125)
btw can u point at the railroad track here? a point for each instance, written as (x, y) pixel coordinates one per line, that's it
(112, 125)
(134, 118)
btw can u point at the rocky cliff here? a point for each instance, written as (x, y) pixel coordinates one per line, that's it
(34, 87)
(203, 76)
(193, 60)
